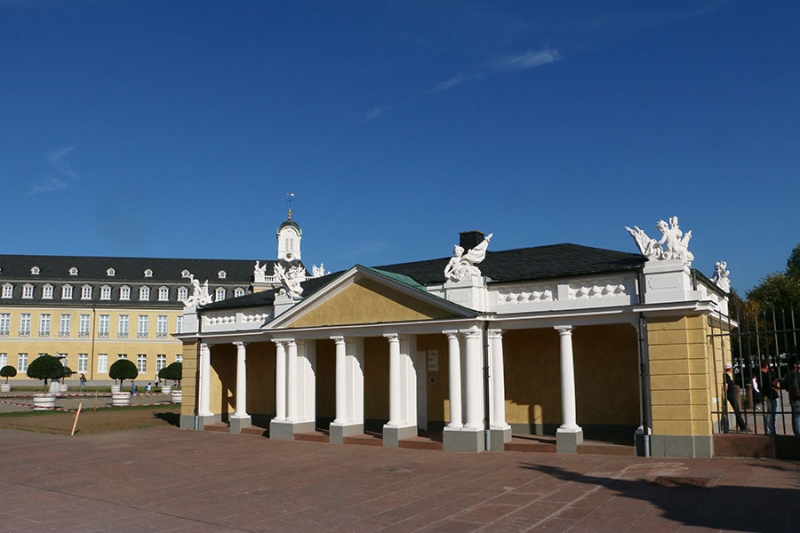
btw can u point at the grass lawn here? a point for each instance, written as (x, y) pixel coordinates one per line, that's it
(92, 421)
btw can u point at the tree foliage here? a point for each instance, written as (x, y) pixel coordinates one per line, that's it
(8, 371)
(173, 372)
(123, 369)
(793, 264)
(46, 367)
(781, 290)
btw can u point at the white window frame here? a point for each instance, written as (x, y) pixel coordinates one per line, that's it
(5, 324)
(25, 325)
(219, 294)
(86, 292)
(22, 362)
(141, 363)
(47, 292)
(179, 324)
(179, 358)
(123, 326)
(73, 271)
(183, 293)
(27, 291)
(143, 326)
(161, 362)
(161, 326)
(45, 321)
(111, 272)
(3, 360)
(102, 363)
(148, 273)
(105, 292)
(222, 274)
(64, 323)
(104, 326)
(66, 292)
(83, 362)
(144, 294)
(238, 292)
(8, 290)
(125, 293)
(84, 325)
(163, 294)
(35, 271)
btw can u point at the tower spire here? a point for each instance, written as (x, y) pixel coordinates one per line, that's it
(289, 198)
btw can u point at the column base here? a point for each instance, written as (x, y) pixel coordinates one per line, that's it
(463, 440)
(567, 440)
(197, 422)
(285, 430)
(239, 422)
(498, 437)
(392, 435)
(338, 431)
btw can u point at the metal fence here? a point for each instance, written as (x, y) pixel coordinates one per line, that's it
(746, 341)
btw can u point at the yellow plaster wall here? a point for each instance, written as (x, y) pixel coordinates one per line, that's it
(681, 377)
(189, 382)
(368, 302)
(606, 375)
(223, 378)
(260, 364)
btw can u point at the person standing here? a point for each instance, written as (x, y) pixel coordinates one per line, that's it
(83, 381)
(770, 391)
(792, 386)
(732, 394)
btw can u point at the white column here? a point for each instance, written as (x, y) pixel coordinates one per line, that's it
(341, 381)
(292, 382)
(395, 396)
(474, 375)
(498, 419)
(454, 358)
(241, 380)
(205, 381)
(568, 410)
(280, 381)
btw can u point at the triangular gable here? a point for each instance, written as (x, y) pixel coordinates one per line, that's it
(368, 296)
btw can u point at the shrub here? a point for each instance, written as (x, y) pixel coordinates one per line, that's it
(46, 367)
(173, 372)
(123, 369)
(8, 371)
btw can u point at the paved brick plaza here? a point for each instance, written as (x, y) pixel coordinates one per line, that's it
(175, 480)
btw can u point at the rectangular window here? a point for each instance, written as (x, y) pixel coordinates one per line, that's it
(179, 324)
(219, 294)
(66, 292)
(124, 326)
(125, 293)
(44, 325)
(27, 291)
(141, 363)
(161, 362)
(5, 324)
(179, 358)
(163, 294)
(102, 363)
(83, 325)
(8, 291)
(105, 293)
(64, 358)
(183, 294)
(144, 326)
(161, 327)
(104, 326)
(22, 362)
(83, 362)
(122, 356)
(86, 292)
(3, 360)
(64, 325)
(144, 294)
(47, 292)
(25, 325)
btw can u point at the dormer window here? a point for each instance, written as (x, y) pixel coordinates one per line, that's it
(111, 272)
(8, 290)
(185, 274)
(144, 294)
(105, 292)
(163, 294)
(73, 271)
(222, 274)
(35, 271)
(148, 273)
(125, 293)
(47, 292)
(219, 294)
(27, 291)
(183, 294)
(66, 292)
(86, 292)
(237, 292)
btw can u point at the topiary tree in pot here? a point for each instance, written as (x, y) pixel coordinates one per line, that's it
(173, 372)
(46, 367)
(123, 369)
(7, 371)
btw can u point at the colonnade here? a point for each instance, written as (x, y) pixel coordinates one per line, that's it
(295, 363)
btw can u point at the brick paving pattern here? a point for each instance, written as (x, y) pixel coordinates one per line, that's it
(174, 480)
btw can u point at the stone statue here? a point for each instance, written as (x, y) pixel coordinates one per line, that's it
(462, 264)
(675, 243)
(260, 272)
(290, 279)
(721, 276)
(318, 271)
(200, 294)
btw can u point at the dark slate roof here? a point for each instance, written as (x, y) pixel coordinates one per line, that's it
(128, 269)
(524, 264)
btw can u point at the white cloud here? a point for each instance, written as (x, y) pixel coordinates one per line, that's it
(65, 174)
(527, 60)
(51, 184)
(449, 84)
(56, 160)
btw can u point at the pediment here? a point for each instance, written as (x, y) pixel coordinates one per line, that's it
(364, 296)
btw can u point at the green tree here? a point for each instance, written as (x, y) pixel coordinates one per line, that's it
(123, 369)
(793, 264)
(46, 367)
(173, 372)
(8, 371)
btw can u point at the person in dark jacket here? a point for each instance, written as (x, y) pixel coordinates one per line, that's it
(770, 391)
(792, 387)
(732, 394)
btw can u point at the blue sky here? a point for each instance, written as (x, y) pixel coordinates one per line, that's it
(176, 129)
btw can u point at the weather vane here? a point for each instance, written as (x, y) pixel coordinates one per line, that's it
(289, 198)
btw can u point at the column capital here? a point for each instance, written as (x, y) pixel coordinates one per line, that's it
(495, 333)
(472, 332)
(451, 333)
(564, 330)
(392, 337)
(240, 344)
(338, 339)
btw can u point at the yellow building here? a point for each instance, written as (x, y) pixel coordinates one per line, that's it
(564, 340)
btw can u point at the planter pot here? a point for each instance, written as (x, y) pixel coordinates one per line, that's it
(63, 388)
(5, 387)
(119, 399)
(55, 387)
(166, 390)
(114, 388)
(177, 396)
(43, 402)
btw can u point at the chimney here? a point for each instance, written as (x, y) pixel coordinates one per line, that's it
(470, 239)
